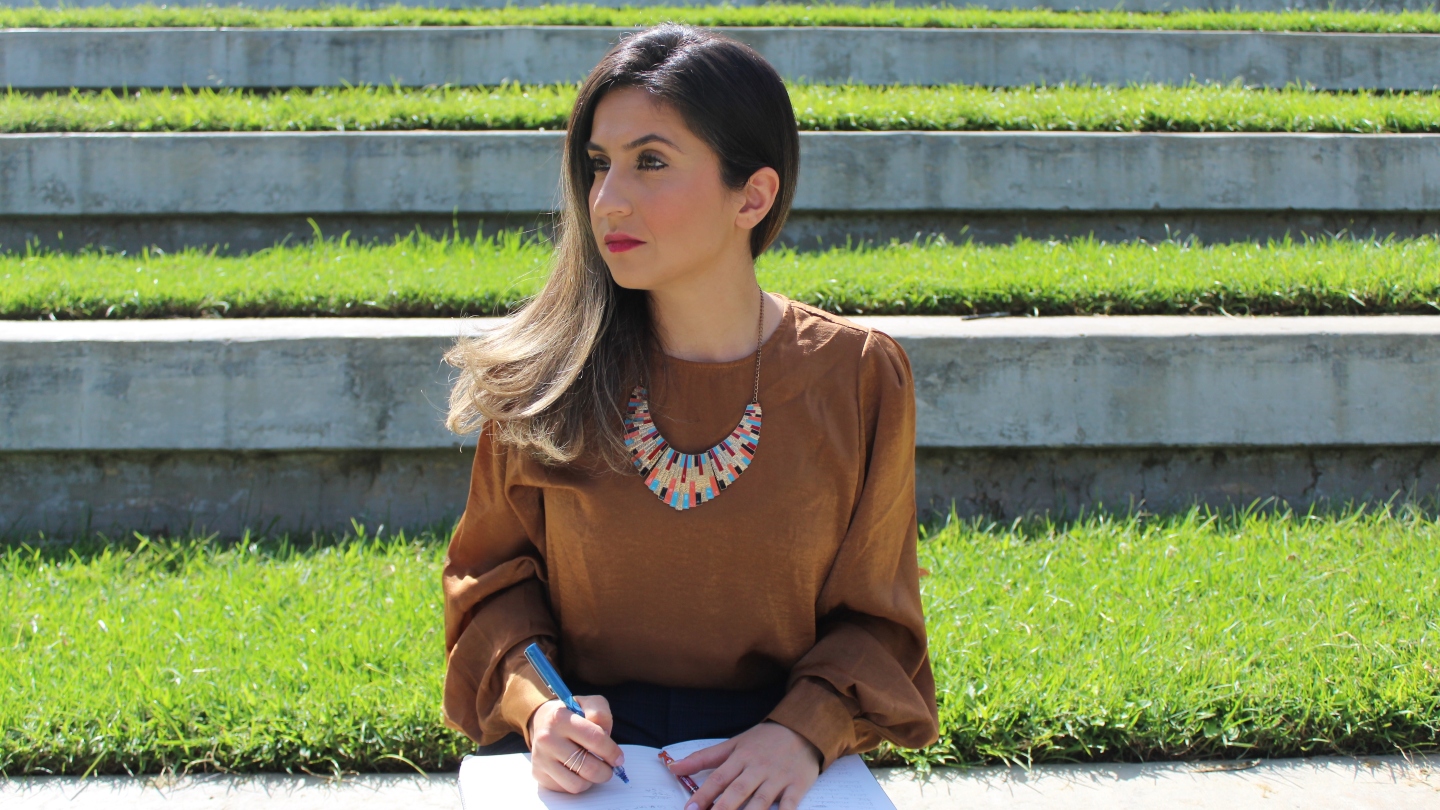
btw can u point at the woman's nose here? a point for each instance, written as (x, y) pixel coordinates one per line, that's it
(610, 197)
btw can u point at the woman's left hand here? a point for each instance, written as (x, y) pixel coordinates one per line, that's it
(769, 763)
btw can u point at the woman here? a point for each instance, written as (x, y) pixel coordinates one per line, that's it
(691, 577)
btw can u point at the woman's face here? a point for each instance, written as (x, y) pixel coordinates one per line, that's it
(658, 208)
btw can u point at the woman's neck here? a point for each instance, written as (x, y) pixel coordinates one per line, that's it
(712, 320)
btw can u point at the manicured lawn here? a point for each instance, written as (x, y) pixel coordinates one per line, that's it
(1145, 108)
(789, 14)
(420, 277)
(1103, 639)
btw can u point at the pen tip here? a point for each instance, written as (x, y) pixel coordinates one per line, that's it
(620, 772)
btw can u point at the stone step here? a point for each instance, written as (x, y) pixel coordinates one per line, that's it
(1319, 783)
(253, 189)
(322, 57)
(308, 422)
(1061, 5)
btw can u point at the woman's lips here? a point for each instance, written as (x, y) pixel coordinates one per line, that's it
(618, 244)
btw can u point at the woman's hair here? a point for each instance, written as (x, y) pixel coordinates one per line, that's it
(551, 380)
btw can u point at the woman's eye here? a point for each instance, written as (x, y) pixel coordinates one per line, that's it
(599, 164)
(650, 162)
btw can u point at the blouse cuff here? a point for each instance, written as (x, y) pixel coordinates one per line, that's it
(524, 692)
(818, 714)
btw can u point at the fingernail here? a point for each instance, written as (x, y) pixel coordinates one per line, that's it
(692, 806)
(620, 760)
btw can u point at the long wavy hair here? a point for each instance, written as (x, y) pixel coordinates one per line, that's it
(553, 378)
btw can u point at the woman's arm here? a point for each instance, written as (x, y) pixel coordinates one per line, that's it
(867, 677)
(495, 603)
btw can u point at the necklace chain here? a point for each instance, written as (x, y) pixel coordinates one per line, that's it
(759, 331)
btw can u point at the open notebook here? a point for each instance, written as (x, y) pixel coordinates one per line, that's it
(490, 783)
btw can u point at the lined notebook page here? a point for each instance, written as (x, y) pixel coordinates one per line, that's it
(491, 783)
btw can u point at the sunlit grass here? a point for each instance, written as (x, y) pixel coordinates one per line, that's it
(1142, 108)
(420, 276)
(778, 14)
(1109, 638)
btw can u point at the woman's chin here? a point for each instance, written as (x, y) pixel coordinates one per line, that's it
(631, 278)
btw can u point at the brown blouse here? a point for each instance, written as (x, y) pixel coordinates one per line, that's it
(804, 570)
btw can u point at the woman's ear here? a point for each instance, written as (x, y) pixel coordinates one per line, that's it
(760, 192)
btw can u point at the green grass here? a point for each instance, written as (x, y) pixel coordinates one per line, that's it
(419, 276)
(1144, 108)
(1108, 638)
(786, 15)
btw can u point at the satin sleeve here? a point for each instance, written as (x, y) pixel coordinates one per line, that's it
(496, 602)
(868, 677)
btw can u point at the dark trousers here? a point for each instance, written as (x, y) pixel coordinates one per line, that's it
(646, 714)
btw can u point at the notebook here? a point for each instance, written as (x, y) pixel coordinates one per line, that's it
(491, 783)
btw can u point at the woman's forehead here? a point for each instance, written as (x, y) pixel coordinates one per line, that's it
(629, 114)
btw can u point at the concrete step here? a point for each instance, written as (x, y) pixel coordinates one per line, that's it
(1321, 783)
(322, 57)
(852, 184)
(311, 421)
(1062, 5)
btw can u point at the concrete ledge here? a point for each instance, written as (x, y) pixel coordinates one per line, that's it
(1062, 5)
(321, 57)
(304, 423)
(419, 173)
(70, 493)
(74, 493)
(378, 384)
(1321, 783)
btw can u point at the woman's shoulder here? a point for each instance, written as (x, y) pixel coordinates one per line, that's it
(821, 333)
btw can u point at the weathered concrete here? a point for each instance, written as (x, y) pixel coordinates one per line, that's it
(75, 493)
(1063, 5)
(307, 422)
(322, 57)
(1321, 783)
(1005, 484)
(378, 384)
(71, 493)
(418, 173)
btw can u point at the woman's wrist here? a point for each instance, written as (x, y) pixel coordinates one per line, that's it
(814, 749)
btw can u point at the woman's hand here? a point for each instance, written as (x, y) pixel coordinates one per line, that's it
(556, 733)
(764, 765)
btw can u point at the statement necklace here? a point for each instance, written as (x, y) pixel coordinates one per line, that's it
(686, 480)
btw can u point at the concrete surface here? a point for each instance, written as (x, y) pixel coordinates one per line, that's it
(379, 384)
(1075, 5)
(1323, 783)
(307, 422)
(469, 173)
(65, 493)
(322, 57)
(1000, 484)
(62, 494)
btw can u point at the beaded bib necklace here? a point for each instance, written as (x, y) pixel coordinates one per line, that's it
(686, 480)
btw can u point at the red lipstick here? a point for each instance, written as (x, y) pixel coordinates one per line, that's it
(621, 242)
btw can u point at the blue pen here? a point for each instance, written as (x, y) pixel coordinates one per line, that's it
(552, 679)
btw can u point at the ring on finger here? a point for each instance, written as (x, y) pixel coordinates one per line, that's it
(576, 761)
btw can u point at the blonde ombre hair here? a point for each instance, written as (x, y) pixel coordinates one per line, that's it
(552, 379)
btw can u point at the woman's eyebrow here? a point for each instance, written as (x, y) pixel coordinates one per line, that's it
(638, 142)
(652, 138)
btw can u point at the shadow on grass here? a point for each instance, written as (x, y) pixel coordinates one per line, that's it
(182, 546)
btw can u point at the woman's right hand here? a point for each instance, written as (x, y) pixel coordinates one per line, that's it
(556, 733)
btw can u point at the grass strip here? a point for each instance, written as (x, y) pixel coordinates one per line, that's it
(160, 16)
(1106, 638)
(1141, 108)
(421, 276)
